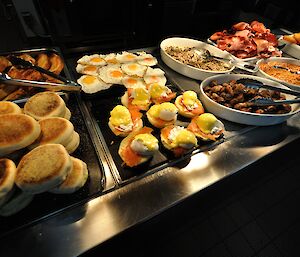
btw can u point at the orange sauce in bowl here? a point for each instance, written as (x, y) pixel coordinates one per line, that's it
(282, 74)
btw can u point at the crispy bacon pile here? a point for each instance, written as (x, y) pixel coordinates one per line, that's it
(246, 40)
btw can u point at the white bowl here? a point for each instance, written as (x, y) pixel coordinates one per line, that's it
(185, 69)
(240, 116)
(279, 59)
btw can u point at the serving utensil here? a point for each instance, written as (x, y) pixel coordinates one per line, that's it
(285, 68)
(257, 85)
(26, 64)
(4, 78)
(239, 64)
(269, 101)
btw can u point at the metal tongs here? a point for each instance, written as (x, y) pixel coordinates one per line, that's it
(5, 79)
(268, 101)
(69, 86)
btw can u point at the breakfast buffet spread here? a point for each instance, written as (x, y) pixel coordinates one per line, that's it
(146, 120)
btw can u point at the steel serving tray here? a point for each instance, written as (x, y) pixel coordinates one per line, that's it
(45, 205)
(99, 106)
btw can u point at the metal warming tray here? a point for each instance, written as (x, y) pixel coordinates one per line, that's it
(99, 106)
(46, 204)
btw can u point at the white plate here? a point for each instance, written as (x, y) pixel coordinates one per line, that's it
(240, 116)
(279, 59)
(185, 69)
(250, 59)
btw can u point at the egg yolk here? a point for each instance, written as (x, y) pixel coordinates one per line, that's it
(189, 98)
(129, 56)
(131, 81)
(185, 137)
(132, 66)
(112, 61)
(141, 96)
(206, 122)
(147, 140)
(154, 79)
(120, 116)
(89, 79)
(97, 59)
(156, 90)
(116, 74)
(148, 59)
(90, 68)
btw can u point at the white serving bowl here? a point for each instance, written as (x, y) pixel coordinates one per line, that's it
(279, 59)
(240, 116)
(290, 49)
(185, 69)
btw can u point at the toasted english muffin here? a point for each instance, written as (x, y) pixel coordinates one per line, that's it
(18, 201)
(67, 114)
(16, 132)
(7, 107)
(43, 168)
(54, 130)
(45, 105)
(7, 176)
(75, 180)
(73, 144)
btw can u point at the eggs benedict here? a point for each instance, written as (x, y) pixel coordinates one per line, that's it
(136, 98)
(178, 139)
(138, 147)
(123, 121)
(207, 127)
(160, 93)
(162, 115)
(189, 105)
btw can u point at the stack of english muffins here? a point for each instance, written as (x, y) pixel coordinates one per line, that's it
(35, 148)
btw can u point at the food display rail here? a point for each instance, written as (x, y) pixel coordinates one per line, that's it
(85, 226)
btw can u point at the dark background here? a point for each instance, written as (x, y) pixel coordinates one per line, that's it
(116, 25)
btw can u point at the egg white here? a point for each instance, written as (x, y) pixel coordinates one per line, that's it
(134, 69)
(140, 148)
(96, 86)
(131, 82)
(155, 76)
(106, 74)
(87, 69)
(125, 57)
(147, 59)
(88, 60)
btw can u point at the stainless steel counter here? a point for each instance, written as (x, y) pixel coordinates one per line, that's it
(81, 228)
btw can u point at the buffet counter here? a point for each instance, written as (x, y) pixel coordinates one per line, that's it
(126, 203)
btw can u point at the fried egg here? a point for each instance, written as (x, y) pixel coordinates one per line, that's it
(87, 69)
(92, 84)
(144, 144)
(155, 76)
(111, 59)
(94, 59)
(111, 74)
(134, 69)
(132, 82)
(147, 60)
(125, 57)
